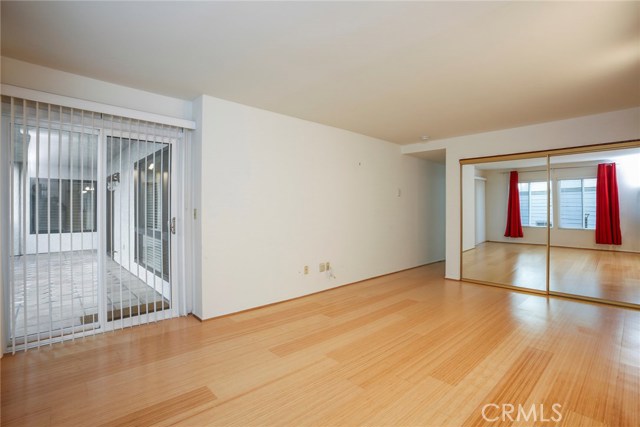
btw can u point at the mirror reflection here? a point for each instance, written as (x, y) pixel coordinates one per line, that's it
(595, 249)
(504, 223)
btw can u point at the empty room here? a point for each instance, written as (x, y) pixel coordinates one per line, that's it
(230, 213)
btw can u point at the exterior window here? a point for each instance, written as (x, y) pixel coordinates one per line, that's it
(578, 203)
(69, 205)
(533, 204)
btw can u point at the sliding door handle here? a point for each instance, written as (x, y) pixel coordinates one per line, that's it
(172, 225)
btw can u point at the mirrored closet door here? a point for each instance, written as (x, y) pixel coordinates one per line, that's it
(595, 249)
(562, 222)
(504, 223)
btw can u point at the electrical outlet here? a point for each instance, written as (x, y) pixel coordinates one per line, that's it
(328, 264)
(306, 269)
(322, 267)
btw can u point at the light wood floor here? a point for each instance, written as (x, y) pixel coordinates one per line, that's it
(405, 349)
(598, 274)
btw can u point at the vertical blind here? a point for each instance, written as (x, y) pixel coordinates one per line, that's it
(89, 194)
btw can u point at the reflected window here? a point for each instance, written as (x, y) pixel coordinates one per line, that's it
(533, 203)
(578, 203)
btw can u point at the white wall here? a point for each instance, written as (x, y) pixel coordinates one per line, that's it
(36, 77)
(596, 129)
(279, 193)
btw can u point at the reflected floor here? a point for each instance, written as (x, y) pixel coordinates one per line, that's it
(513, 264)
(607, 275)
(61, 292)
(599, 274)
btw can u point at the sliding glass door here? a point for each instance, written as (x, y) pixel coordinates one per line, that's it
(90, 222)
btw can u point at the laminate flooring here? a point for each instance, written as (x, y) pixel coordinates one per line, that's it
(410, 348)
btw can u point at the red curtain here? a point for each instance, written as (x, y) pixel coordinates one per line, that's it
(514, 224)
(607, 206)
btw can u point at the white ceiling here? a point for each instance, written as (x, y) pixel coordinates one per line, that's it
(392, 70)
